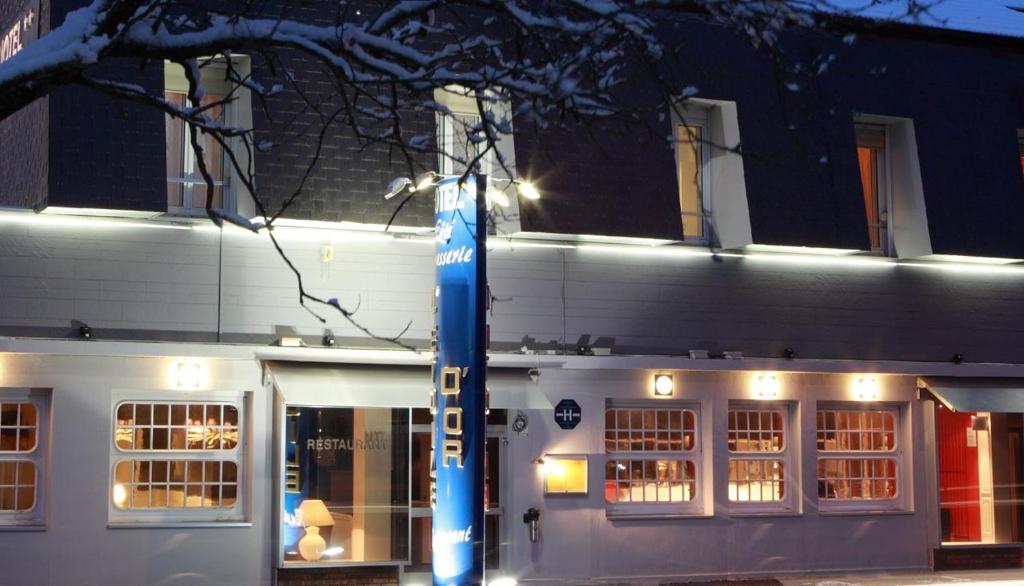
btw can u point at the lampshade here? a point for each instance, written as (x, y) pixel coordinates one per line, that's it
(314, 514)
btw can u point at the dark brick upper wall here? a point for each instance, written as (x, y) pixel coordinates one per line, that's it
(802, 182)
(349, 180)
(23, 135)
(799, 162)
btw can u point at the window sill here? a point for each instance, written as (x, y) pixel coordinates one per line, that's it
(777, 513)
(654, 516)
(25, 526)
(180, 525)
(862, 512)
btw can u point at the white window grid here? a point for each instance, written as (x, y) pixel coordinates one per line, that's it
(653, 458)
(152, 426)
(19, 424)
(150, 483)
(757, 455)
(189, 175)
(859, 457)
(24, 420)
(18, 481)
(455, 131)
(175, 484)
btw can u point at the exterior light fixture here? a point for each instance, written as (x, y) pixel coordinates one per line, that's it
(425, 180)
(766, 385)
(528, 190)
(187, 375)
(663, 385)
(865, 387)
(328, 340)
(85, 332)
(397, 185)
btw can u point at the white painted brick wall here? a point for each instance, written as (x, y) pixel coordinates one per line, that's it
(143, 279)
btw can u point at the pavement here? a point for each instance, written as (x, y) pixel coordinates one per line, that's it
(960, 578)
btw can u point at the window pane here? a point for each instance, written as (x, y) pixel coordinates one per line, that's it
(177, 426)
(689, 155)
(755, 431)
(856, 479)
(351, 474)
(141, 484)
(17, 486)
(856, 431)
(756, 480)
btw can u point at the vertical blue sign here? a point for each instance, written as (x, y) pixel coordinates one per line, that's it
(459, 379)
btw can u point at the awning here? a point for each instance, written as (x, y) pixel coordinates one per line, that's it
(358, 385)
(997, 395)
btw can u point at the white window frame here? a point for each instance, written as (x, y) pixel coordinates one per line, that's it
(38, 456)
(791, 476)
(898, 453)
(237, 113)
(696, 117)
(239, 455)
(694, 507)
(883, 167)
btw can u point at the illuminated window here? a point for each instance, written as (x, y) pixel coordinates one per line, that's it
(652, 456)
(1020, 147)
(177, 460)
(758, 455)
(23, 422)
(858, 455)
(186, 187)
(693, 173)
(565, 474)
(874, 178)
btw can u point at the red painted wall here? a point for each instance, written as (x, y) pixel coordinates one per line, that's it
(958, 475)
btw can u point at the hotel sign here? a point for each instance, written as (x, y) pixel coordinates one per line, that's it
(459, 376)
(20, 32)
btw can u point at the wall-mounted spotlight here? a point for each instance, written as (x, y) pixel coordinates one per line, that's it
(187, 375)
(528, 190)
(766, 385)
(664, 386)
(958, 358)
(328, 339)
(865, 387)
(85, 332)
(789, 354)
(534, 375)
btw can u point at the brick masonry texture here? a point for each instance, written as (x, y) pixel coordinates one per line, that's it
(799, 163)
(365, 576)
(24, 160)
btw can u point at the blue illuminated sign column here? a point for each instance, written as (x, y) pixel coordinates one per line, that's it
(459, 396)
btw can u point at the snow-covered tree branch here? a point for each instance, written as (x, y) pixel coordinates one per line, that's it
(554, 62)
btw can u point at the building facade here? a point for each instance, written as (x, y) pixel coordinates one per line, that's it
(801, 356)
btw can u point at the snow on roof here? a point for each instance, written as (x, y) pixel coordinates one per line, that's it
(994, 17)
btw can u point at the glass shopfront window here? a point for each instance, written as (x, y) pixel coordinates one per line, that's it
(346, 493)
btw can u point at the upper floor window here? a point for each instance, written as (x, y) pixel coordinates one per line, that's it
(24, 417)
(693, 172)
(872, 161)
(186, 187)
(461, 141)
(1020, 147)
